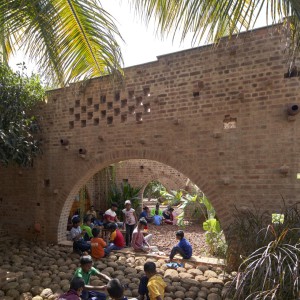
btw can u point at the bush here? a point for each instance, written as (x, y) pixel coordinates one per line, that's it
(270, 255)
(18, 96)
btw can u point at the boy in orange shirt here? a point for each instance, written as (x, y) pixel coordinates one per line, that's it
(97, 244)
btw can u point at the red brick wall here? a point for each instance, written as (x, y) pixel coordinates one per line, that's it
(191, 94)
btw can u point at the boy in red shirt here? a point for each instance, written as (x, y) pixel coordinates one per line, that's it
(117, 241)
(97, 244)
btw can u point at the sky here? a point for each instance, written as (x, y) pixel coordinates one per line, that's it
(142, 44)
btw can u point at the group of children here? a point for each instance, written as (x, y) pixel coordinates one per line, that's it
(157, 216)
(151, 286)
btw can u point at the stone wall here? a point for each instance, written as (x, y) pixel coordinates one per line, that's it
(218, 115)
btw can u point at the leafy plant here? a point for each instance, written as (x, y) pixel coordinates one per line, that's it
(172, 198)
(271, 271)
(18, 96)
(119, 194)
(202, 207)
(154, 189)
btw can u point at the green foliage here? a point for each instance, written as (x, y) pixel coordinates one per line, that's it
(69, 40)
(173, 198)
(202, 207)
(154, 190)
(18, 96)
(119, 194)
(271, 271)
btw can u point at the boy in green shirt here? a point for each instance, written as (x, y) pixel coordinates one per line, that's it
(87, 227)
(85, 272)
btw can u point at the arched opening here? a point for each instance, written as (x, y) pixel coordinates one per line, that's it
(102, 163)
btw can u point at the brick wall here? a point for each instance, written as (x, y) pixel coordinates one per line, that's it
(215, 114)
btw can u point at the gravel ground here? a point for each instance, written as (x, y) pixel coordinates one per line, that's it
(164, 237)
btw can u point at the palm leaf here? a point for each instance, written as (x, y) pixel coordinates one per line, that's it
(69, 39)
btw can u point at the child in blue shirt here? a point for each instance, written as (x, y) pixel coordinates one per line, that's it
(184, 248)
(157, 219)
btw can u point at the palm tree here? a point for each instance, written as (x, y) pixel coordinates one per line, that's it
(69, 39)
(214, 19)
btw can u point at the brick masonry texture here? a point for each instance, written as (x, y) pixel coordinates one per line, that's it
(217, 115)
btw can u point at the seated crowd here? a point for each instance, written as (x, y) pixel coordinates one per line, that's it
(87, 239)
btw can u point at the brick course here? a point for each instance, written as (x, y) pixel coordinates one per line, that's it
(215, 114)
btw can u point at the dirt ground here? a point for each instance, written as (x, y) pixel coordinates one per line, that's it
(164, 237)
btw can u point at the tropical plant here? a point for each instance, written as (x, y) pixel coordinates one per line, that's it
(246, 233)
(69, 40)
(201, 206)
(214, 19)
(272, 271)
(119, 194)
(19, 95)
(154, 189)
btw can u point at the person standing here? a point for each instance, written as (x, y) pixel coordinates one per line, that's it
(130, 221)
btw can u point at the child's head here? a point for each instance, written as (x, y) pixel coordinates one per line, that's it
(77, 284)
(95, 232)
(86, 263)
(115, 289)
(76, 222)
(150, 269)
(179, 235)
(128, 204)
(146, 208)
(112, 226)
(87, 220)
(114, 206)
(142, 223)
(156, 212)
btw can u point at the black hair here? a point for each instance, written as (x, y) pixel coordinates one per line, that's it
(180, 233)
(75, 220)
(114, 204)
(150, 267)
(143, 221)
(145, 208)
(95, 231)
(157, 204)
(86, 218)
(86, 259)
(76, 283)
(171, 209)
(115, 289)
(156, 212)
(112, 226)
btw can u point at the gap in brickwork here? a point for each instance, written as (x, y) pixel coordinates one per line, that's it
(83, 123)
(90, 115)
(117, 96)
(131, 109)
(116, 111)
(293, 72)
(83, 109)
(96, 121)
(139, 101)
(77, 117)
(229, 122)
(123, 103)
(103, 113)
(109, 105)
(77, 103)
(103, 98)
(46, 182)
(139, 117)
(110, 120)
(96, 107)
(71, 111)
(123, 117)
(89, 101)
(147, 108)
(71, 125)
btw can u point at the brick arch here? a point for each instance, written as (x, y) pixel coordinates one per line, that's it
(66, 197)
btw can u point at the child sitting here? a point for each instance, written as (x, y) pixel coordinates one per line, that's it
(117, 241)
(157, 219)
(152, 285)
(79, 244)
(168, 215)
(85, 272)
(86, 226)
(140, 242)
(184, 248)
(97, 244)
(115, 290)
(76, 288)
